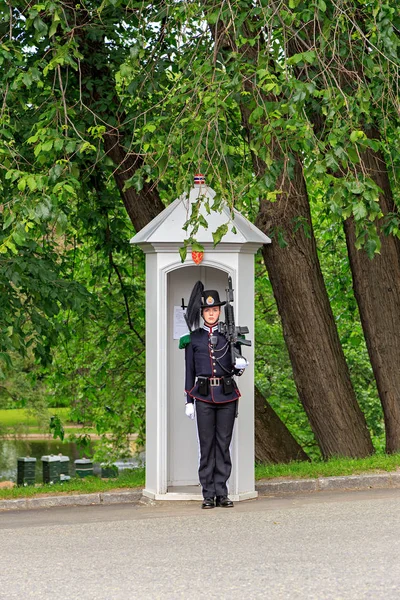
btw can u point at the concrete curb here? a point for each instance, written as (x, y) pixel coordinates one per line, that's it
(132, 496)
(265, 487)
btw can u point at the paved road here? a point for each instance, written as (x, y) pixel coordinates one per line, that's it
(320, 546)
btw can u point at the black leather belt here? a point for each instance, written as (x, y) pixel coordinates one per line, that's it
(213, 381)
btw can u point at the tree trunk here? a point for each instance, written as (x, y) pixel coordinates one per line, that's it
(319, 367)
(376, 282)
(376, 285)
(141, 206)
(273, 441)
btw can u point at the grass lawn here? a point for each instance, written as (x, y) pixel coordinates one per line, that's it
(134, 478)
(329, 468)
(23, 421)
(20, 416)
(295, 470)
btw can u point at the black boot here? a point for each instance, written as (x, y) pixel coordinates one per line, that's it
(208, 503)
(224, 502)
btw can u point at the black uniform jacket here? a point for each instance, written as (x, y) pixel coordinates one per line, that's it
(204, 360)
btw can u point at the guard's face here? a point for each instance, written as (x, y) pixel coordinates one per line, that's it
(211, 314)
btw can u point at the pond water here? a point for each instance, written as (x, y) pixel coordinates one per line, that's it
(10, 450)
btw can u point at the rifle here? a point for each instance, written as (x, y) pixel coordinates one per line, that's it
(234, 334)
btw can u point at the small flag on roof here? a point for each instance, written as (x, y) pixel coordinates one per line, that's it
(199, 179)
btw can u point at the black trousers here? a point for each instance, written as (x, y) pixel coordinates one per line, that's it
(215, 426)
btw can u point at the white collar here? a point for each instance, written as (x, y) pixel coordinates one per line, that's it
(212, 329)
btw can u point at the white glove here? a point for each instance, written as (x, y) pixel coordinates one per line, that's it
(241, 362)
(189, 410)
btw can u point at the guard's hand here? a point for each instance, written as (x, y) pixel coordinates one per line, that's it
(189, 410)
(241, 362)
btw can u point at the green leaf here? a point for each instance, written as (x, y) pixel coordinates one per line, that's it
(353, 155)
(196, 247)
(27, 79)
(306, 57)
(371, 248)
(357, 135)
(282, 243)
(203, 222)
(256, 114)
(70, 147)
(56, 427)
(47, 146)
(359, 211)
(150, 127)
(355, 187)
(18, 238)
(31, 181)
(11, 246)
(58, 144)
(10, 219)
(183, 253)
(86, 147)
(21, 184)
(53, 27)
(219, 233)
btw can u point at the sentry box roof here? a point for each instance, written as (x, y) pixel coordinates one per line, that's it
(168, 225)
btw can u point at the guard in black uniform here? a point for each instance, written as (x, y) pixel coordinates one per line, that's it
(210, 385)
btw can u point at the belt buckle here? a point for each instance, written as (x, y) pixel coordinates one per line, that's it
(214, 381)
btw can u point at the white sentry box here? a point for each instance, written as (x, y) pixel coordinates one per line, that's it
(172, 453)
